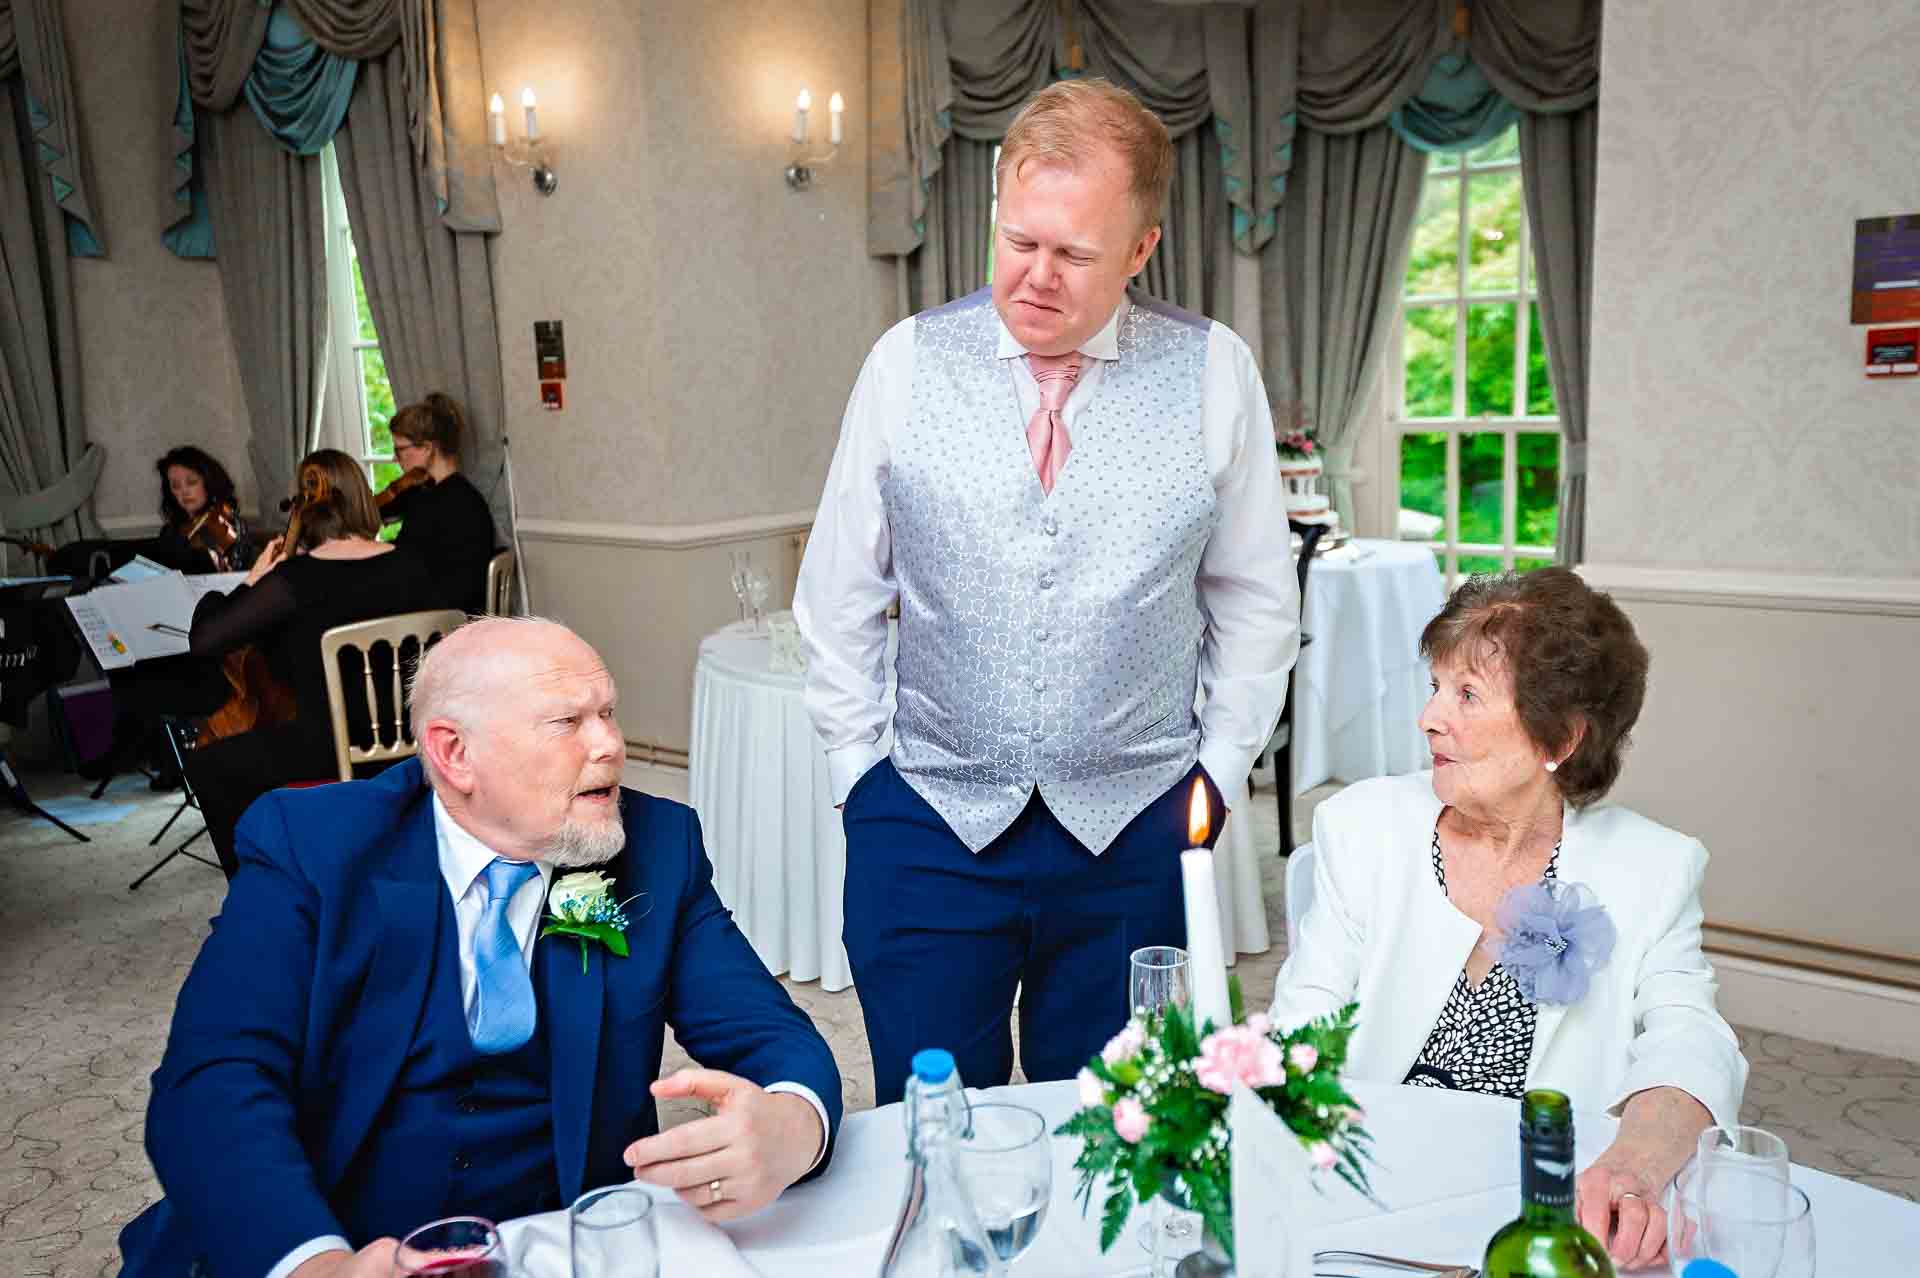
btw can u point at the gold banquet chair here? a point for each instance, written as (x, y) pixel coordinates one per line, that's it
(500, 573)
(407, 637)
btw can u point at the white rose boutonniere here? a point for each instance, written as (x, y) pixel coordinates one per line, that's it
(582, 906)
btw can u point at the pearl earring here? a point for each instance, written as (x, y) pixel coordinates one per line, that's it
(1552, 765)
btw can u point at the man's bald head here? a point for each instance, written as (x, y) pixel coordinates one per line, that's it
(464, 677)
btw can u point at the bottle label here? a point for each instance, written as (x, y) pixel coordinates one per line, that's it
(1546, 1178)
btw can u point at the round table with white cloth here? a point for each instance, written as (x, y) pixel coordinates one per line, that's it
(1446, 1174)
(758, 778)
(1360, 684)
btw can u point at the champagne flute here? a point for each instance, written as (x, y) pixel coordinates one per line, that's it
(458, 1247)
(742, 563)
(611, 1233)
(1006, 1163)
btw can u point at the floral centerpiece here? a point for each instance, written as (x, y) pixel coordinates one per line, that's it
(1298, 445)
(1153, 1114)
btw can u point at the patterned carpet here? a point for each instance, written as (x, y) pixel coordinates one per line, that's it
(88, 973)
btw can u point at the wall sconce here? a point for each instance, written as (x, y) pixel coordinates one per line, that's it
(528, 153)
(800, 169)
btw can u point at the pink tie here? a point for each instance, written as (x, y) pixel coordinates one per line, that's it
(1046, 433)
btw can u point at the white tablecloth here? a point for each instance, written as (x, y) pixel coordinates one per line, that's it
(1446, 1173)
(758, 779)
(1360, 684)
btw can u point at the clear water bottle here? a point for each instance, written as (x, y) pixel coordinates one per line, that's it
(937, 1233)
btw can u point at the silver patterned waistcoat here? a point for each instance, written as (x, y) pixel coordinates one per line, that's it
(1049, 640)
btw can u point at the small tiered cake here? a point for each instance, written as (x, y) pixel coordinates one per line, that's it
(1305, 502)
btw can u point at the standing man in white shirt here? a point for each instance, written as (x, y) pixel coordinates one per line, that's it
(1072, 491)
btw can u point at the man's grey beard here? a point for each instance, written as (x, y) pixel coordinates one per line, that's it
(581, 845)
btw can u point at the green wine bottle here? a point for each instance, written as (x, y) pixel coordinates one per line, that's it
(1546, 1241)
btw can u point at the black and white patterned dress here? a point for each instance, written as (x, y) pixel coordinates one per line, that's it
(1484, 1037)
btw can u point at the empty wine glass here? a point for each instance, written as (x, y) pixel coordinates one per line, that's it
(1743, 1218)
(1006, 1164)
(1157, 978)
(742, 564)
(458, 1247)
(611, 1234)
(759, 589)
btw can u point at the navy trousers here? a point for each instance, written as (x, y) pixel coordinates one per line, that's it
(940, 936)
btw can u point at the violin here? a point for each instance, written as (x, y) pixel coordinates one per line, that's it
(257, 699)
(406, 482)
(214, 532)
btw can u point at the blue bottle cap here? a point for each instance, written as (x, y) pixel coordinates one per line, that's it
(934, 1065)
(1704, 1268)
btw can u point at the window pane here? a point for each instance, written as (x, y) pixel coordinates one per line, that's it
(1428, 348)
(1482, 455)
(1442, 161)
(1423, 486)
(362, 308)
(1493, 222)
(380, 406)
(1537, 500)
(1504, 147)
(1480, 565)
(1528, 565)
(384, 473)
(1540, 402)
(1489, 359)
(1433, 265)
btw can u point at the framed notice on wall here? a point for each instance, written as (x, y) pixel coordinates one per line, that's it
(1886, 269)
(1893, 352)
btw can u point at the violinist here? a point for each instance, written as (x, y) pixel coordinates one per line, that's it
(336, 571)
(201, 527)
(443, 517)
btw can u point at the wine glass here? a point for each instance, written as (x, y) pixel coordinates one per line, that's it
(1157, 979)
(458, 1247)
(759, 589)
(742, 564)
(1006, 1164)
(611, 1233)
(1743, 1218)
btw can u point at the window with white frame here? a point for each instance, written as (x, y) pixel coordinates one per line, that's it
(361, 397)
(1478, 435)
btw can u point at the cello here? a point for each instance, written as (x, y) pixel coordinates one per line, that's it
(259, 700)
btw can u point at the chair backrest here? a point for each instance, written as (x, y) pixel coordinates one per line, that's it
(500, 571)
(1299, 891)
(1310, 535)
(423, 629)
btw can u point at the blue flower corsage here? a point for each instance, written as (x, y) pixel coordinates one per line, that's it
(1553, 936)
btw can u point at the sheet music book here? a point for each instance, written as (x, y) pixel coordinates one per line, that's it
(144, 619)
(138, 568)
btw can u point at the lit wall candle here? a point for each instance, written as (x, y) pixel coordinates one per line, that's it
(836, 106)
(1206, 963)
(497, 116)
(533, 125)
(801, 106)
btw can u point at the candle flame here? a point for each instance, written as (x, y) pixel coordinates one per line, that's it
(526, 96)
(495, 106)
(836, 104)
(804, 102)
(1199, 822)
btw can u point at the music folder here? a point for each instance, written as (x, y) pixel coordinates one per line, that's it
(144, 619)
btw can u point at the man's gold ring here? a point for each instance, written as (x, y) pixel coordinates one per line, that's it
(713, 1193)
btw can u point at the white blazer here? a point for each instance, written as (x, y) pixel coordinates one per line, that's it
(1381, 932)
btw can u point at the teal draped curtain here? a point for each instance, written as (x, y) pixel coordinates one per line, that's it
(298, 92)
(1455, 110)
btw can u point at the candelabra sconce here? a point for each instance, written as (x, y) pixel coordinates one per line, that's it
(800, 168)
(529, 152)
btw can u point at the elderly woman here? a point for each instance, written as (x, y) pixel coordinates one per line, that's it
(1500, 927)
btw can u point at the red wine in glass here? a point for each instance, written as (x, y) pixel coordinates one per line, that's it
(482, 1265)
(460, 1247)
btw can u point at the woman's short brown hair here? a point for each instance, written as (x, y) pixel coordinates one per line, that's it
(1068, 121)
(336, 501)
(438, 420)
(1579, 672)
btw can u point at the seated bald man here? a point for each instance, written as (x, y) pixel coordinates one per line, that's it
(375, 1036)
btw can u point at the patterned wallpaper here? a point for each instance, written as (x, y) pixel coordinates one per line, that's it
(715, 320)
(1733, 427)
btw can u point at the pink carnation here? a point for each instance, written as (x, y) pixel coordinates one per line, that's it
(1091, 1093)
(1238, 1055)
(1303, 1057)
(1322, 1155)
(1260, 1023)
(1125, 1045)
(1130, 1120)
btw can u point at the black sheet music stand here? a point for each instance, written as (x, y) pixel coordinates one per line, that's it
(30, 663)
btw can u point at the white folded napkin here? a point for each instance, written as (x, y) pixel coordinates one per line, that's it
(690, 1247)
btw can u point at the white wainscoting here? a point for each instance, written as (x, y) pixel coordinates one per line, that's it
(1781, 727)
(644, 594)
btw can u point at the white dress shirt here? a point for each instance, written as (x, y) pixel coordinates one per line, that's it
(463, 859)
(1247, 585)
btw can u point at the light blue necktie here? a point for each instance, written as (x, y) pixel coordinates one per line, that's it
(500, 1018)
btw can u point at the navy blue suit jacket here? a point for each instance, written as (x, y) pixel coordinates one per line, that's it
(293, 1025)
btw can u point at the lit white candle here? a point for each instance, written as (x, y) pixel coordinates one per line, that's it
(497, 114)
(1206, 961)
(801, 105)
(837, 107)
(533, 125)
